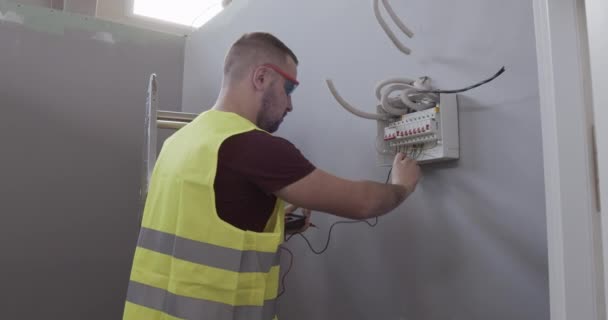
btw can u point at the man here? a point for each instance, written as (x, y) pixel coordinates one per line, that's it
(214, 216)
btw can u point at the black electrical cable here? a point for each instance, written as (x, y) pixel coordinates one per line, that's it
(329, 235)
(326, 244)
(501, 71)
(287, 272)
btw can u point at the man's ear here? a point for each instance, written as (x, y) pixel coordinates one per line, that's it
(261, 78)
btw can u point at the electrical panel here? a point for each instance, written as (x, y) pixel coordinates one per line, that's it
(429, 135)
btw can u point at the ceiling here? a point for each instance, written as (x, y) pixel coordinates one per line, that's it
(119, 11)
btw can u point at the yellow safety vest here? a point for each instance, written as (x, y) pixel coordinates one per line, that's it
(190, 264)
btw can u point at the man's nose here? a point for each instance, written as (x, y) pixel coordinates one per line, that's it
(289, 105)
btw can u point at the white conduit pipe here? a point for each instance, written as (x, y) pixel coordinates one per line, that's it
(397, 21)
(396, 110)
(386, 82)
(410, 88)
(353, 110)
(394, 107)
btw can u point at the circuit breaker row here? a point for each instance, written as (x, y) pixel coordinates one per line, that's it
(414, 128)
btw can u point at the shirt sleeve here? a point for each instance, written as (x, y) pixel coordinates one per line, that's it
(271, 163)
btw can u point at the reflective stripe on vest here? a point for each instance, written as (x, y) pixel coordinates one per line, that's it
(190, 308)
(207, 254)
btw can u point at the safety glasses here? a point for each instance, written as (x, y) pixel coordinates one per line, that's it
(290, 83)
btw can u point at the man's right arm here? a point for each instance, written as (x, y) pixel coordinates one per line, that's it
(321, 191)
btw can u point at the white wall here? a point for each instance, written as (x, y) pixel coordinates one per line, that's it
(118, 11)
(471, 243)
(72, 97)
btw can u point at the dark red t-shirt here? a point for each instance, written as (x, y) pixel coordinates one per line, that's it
(251, 166)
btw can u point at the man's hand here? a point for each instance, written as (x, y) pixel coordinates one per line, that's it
(305, 212)
(406, 172)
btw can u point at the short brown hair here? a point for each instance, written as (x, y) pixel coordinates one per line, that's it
(255, 46)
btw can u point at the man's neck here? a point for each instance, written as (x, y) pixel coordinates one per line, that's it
(231, 103)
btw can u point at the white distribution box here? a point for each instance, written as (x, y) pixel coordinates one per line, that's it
(428, 136)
